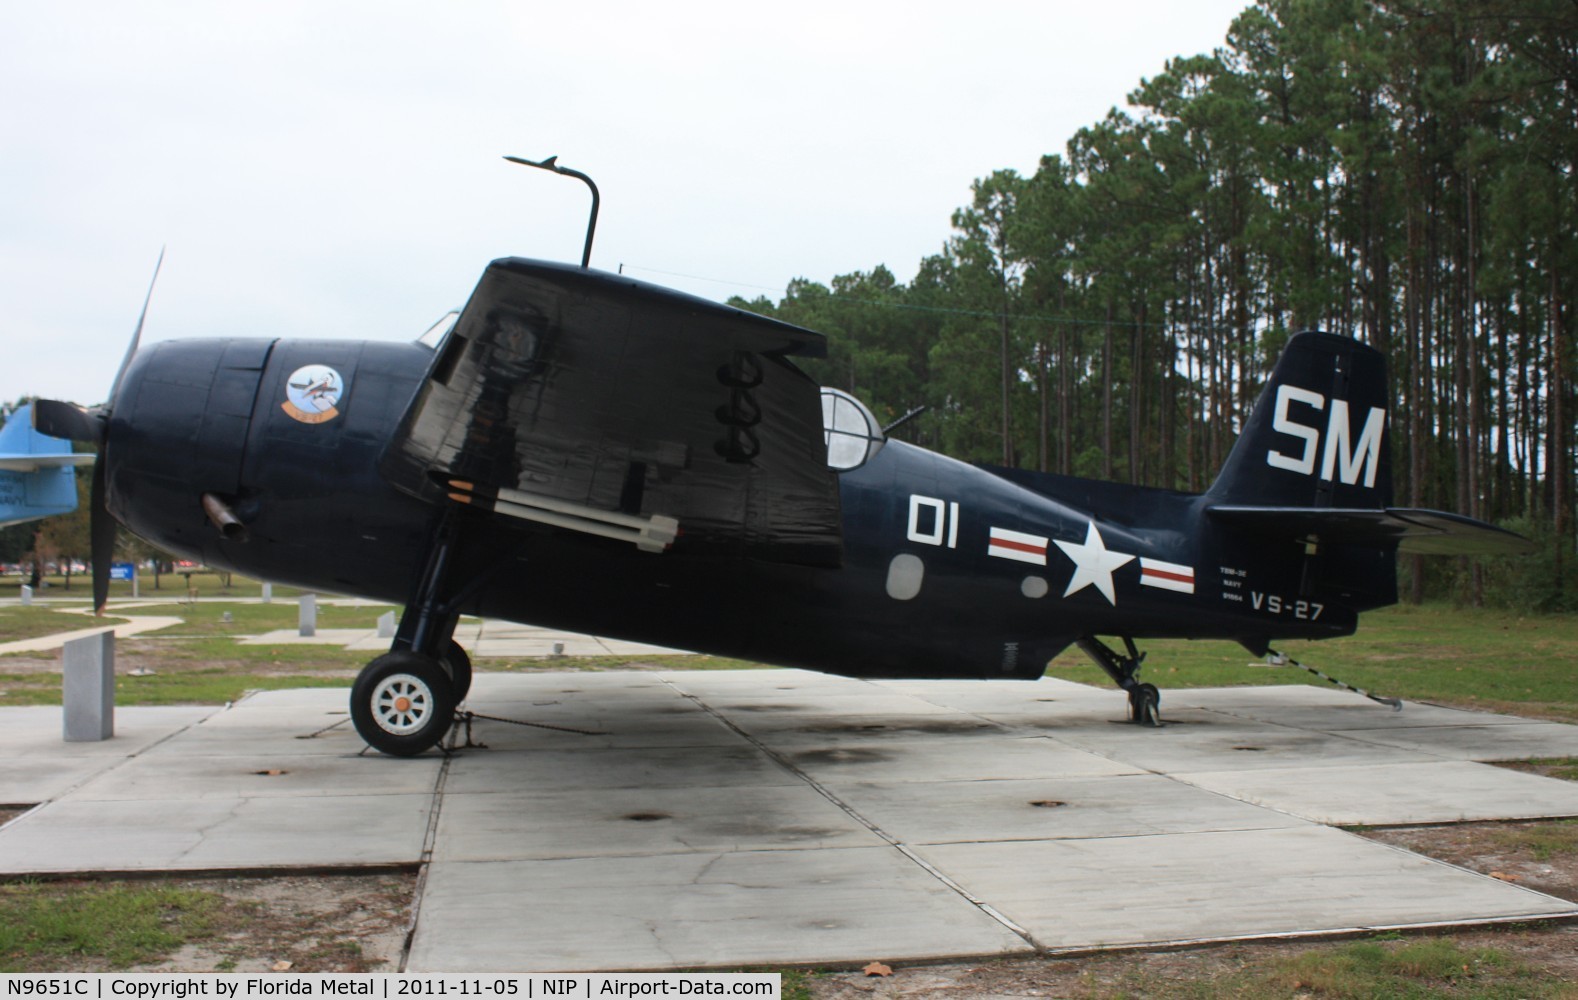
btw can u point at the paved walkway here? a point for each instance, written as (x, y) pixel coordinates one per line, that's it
(679, 819)
(133, 625)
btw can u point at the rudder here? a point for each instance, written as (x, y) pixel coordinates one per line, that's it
(1317, 436)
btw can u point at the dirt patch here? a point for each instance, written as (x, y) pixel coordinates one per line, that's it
(1565, 768)
(1216, 971)
(1508, 851)
(331, 923)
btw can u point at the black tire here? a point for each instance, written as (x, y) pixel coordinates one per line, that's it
(1145, 706)
(402, 703)
(458, 664)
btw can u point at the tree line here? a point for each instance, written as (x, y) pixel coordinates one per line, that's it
(1401, 172)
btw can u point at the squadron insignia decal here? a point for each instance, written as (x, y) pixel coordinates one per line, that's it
(312, 392)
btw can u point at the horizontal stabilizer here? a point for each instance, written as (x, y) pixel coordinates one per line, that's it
(1422, 532)
(32, 463)
(24, 449)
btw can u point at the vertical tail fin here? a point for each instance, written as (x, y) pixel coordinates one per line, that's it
(1317, 436)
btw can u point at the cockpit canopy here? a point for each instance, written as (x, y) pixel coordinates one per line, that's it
(852, 434)
(435, 334)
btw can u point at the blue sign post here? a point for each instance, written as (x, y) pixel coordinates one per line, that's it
(125, 571)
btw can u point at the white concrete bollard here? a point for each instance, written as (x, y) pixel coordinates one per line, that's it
(88, 688)
(386, 625)
(268, 593)
(27, 595)
(307, 616)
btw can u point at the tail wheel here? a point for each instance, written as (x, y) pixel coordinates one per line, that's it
(1145, 705)
(403, 703)
(458, 664)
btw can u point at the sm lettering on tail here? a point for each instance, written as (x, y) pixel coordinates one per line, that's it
(1346, 456)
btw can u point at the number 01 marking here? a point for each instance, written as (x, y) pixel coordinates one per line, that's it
(932, 521)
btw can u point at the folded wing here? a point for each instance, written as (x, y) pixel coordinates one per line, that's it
(599, 399)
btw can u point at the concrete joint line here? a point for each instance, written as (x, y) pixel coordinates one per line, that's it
(853, 814)
(425, 862)
(122, 762)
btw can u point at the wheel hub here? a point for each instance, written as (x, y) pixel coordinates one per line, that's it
(402, 704)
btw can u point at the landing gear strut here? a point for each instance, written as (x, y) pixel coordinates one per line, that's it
(404, 701)
(1144, 699)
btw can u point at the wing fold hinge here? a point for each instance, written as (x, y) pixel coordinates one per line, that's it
(652, 533)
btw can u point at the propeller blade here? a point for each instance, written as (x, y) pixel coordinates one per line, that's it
(131, 350)
(67, 420)
(101, 535)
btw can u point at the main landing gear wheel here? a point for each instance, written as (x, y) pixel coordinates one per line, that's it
(403, 703)
(1145, 705)
(458, 665)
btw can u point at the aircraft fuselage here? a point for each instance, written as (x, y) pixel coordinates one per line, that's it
(949, 570)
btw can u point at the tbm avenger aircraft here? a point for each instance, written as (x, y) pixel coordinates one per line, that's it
(585, 451)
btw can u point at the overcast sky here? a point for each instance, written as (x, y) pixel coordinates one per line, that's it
(333, 169)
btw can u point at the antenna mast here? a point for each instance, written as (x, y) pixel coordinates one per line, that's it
(591, 225)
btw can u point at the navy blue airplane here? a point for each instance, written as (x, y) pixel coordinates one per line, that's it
(585, 451)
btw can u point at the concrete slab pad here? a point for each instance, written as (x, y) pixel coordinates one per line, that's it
(299, 720)
(197, 834)
(262, 740)
(1050, 809)
(695, 911)
(840, 729)
(1329, 709)
(1198, 740)
(1397, 794)
(34, 779)
(638, 822)
(990, 758)
(36, 731)
(1043, 698)
(592, 769)
(1210, 886)
(744, 710)
(274, 775)
(1481, 742)
(324, 699)
(643, 845)
(758, 684)
(601, 730)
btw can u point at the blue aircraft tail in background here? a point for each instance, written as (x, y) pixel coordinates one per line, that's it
(37, 477)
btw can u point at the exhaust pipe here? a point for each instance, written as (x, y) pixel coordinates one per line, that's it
(223, 518)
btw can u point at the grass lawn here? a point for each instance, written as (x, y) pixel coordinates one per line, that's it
(30, 623)
(43, 925)
(1491, 660)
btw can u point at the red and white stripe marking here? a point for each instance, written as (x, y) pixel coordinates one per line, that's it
(1166, 575)
(1017, 545)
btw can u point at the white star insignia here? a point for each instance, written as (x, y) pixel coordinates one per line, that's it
(1093, 565)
